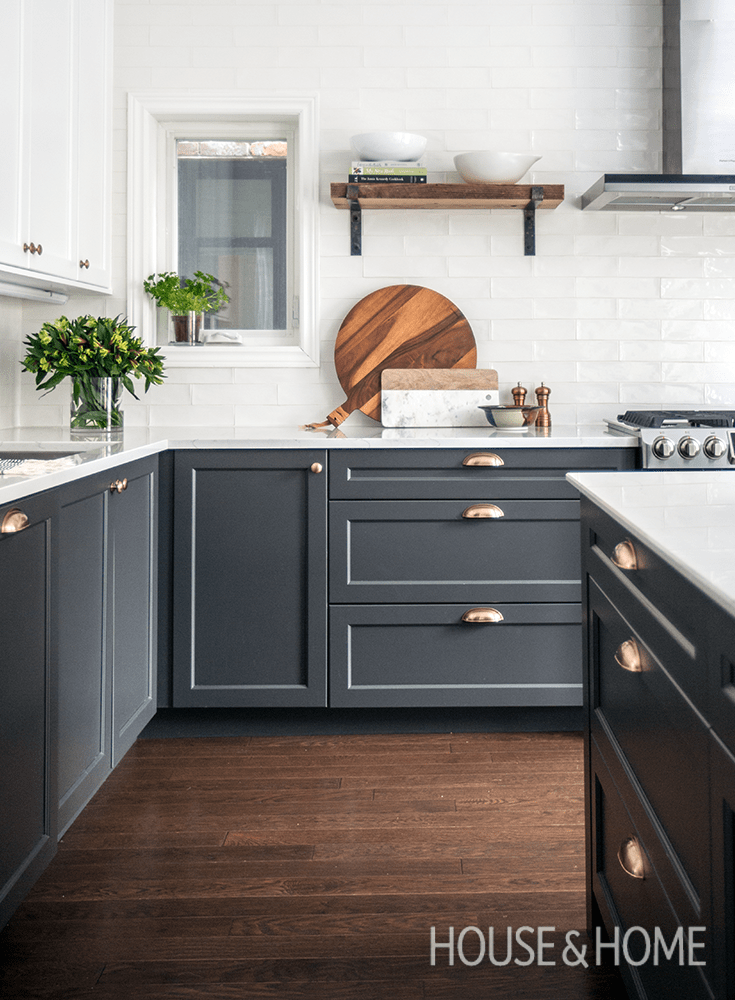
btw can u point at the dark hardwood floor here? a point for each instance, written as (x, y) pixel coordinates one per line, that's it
(313, 868)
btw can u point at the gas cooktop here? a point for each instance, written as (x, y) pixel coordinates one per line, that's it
(678, 418)
(681, 439)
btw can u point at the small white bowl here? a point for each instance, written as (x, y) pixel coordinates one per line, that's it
(488, 167)
(389, 145)
(511, 417)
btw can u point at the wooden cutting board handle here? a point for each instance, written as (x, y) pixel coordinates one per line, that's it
(400, 326)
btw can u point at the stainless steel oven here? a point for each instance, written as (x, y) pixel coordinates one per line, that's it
(681, 439)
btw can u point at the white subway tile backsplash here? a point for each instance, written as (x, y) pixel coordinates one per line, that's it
(615, 308)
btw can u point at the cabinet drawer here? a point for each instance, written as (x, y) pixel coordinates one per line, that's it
(432, 550)
(448, 473)
(426, 655)
(627, 857)
(720, 628)
(646, 589)
(663, 739)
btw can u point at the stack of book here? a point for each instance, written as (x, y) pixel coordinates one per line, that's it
(387, 171)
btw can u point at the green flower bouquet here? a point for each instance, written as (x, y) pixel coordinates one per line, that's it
(101, 357)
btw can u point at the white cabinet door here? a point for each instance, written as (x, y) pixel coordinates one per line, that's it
(93, 142)
(50, 90)
(56, 117)
(12, 69)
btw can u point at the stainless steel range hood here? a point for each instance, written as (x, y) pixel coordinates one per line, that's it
(698, 119)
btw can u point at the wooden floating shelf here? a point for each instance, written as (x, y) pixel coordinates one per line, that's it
(447, 195)
(522, 197)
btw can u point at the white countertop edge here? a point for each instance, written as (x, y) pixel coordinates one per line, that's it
(650, 504)
(135, 443)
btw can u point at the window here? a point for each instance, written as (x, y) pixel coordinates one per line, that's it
(228, 186)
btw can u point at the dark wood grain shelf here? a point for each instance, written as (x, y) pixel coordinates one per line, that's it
(382, 196)
(522, 197)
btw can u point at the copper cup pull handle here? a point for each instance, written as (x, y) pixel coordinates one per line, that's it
(14, 520)
(482, 616)
(316, 467)
(631, 858)
(628, 656)
(624, 555)
(483, 510)
(482, 458)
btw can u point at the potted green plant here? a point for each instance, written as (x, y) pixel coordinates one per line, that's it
(186, 299)
(101, 357)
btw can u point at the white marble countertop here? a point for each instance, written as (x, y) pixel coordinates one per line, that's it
(96, 456)
(687, 518)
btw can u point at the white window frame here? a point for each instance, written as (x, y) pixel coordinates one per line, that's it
(153, 120)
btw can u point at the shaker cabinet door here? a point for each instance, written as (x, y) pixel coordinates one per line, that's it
(250, 578)
(27, 793)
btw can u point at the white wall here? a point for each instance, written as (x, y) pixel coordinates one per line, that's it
(614, 310)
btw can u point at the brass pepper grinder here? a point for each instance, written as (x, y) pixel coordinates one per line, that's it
(542, 395)
(519, 395)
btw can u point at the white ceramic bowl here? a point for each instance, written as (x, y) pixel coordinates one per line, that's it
(389, 145)
(488, 167)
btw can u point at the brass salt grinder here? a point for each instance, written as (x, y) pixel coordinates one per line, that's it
(542, 395)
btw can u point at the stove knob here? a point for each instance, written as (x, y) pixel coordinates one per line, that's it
(662, 447)
(714, 447)
(688, 447)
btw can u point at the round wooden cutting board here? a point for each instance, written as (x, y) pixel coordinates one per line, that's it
(400, 326)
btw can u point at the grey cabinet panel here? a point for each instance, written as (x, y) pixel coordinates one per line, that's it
(651, 643)
(132, 582)
(425, 655)
(106, 625)
(27, 697)
(629, 901)
(84, 682)
(250, 581)
(439, 474)
(722, 917)
(427, 551)
(656, 731)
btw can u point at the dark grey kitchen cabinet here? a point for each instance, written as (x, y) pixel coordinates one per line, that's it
(106, 625)
(28, 824)
(454, 576)
(249, 588)
(659, 783)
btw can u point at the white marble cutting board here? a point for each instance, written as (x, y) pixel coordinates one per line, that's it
(436, 397)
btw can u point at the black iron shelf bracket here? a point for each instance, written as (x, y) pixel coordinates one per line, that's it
(529, 221)
(355, 221)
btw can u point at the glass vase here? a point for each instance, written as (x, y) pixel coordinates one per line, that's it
(95, 406)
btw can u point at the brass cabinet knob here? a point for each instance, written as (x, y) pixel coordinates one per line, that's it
(483, 510)
(485, 458)
(631, 858)
(84, 263)
(118, 486)
(14, 520)
(316, 467)
(624, 556)
(628, 656)
(482, 616)
(33, 248)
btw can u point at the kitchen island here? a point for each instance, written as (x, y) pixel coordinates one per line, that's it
(659, 598)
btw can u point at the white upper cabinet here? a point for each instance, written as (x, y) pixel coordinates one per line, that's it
(55, 176)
